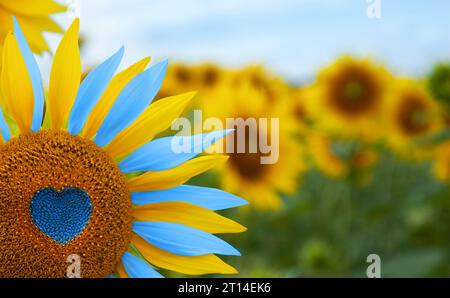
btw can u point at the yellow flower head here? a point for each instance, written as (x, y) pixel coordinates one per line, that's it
(348, 96)
(244, 174)
(323, 156)
(34, 17)
(441, 166)
(209, 75)
(299, 108)
(271, 86)
(411, 114)
(183, 77)
(326, 156)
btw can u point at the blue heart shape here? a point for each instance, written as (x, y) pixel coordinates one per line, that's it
(61, 215)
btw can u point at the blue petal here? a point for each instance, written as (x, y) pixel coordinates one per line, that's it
(35, 77)
(169, 152)
(138, 268)
(6, 133)
(182, 240)
(209, 198)
(133, 99)
(91, 89)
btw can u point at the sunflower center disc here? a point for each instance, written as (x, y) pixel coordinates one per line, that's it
(60, 195)
(61, 215)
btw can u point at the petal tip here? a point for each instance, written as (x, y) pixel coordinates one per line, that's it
(75, 25)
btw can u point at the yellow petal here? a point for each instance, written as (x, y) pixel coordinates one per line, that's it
(176, 176)
(6, 25)
(121, 270)
(34, 7)
(156, 118)
(116, 85)
(41, 23)
(34, 37)
(2, 140)
(16, 85)
(2, 102)
(189, 215)
(64, 77)
(193, 265)
(32, 28)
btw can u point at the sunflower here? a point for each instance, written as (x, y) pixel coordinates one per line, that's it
(411, 116)
(324, 158)
(94, 183)
(210, 75)
(256, 76)
(179, 78)
(441, 165)
(34, 16)
(340, 158)
(183, 77)
(245, 174)
(348, 96)
(298, 97)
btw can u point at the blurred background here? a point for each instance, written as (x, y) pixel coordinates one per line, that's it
(362, 93)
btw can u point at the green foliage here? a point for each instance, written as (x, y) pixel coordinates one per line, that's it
(439, 82)
(331, 226)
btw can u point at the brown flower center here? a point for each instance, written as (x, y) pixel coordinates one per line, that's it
(183, 75)
(210, 77)
(248, 164)
(354, 91)
(413, 115)
(56, 162)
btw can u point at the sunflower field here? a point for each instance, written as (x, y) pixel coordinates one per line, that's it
(364, 168)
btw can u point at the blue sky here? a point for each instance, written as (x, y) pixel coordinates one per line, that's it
(294, 38)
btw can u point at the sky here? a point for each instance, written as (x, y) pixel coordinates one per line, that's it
(293, 38)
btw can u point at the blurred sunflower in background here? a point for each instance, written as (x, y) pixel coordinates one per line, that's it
(297, 98)
(411, 115)
(246, 174)
(348, 96)
(340, 158)
(35, 18)
(274, 88)
(324, 157)
(288, 101)
(438, 83)
(248, 93)
(441, 165)
(183, 78)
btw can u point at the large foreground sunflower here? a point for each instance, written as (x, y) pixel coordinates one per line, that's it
(94, 183)
(34, 17)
